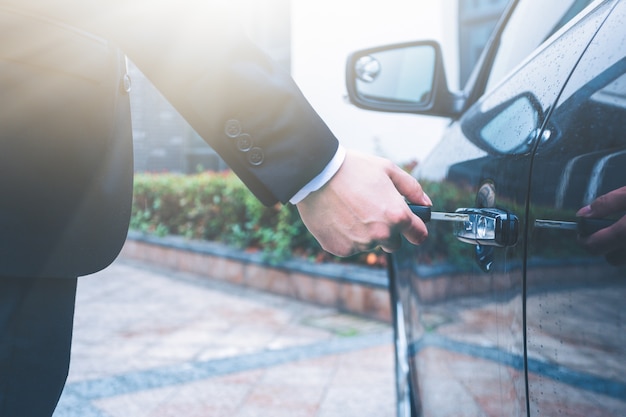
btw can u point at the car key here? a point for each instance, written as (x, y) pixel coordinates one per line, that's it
(486, 226)
(426, 214)
(585, 226)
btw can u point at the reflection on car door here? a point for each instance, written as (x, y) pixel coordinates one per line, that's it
(576, 319)
(464, 304)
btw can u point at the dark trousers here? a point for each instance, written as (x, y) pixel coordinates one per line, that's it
(36, 320)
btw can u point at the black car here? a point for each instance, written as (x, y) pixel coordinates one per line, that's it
(504, 311)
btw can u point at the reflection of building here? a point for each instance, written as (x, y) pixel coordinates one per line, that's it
(163, 141)
(477, 18)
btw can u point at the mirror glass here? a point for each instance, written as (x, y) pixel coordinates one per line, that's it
(513, 127)
(401, 75)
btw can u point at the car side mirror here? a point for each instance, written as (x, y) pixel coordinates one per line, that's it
(404, 78)
(509, 128)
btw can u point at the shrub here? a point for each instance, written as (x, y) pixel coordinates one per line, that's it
(218, 207)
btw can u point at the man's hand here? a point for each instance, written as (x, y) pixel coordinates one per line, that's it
(611, 241)
(364, 206)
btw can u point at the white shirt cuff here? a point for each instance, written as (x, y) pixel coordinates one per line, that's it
(322, 178)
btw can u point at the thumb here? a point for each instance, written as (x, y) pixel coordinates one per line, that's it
(408, 186)
(612, 202)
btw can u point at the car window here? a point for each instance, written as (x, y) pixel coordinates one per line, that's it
(486, 123)
(504, 121)
(530, 25)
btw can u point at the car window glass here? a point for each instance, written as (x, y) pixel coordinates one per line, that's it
(588, 125)
(530, 25)
(540, 81)
(519, 118)
(403, 75)
(576, 8)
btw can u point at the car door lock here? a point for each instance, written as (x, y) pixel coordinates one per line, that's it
(487, 227)
(484, 226)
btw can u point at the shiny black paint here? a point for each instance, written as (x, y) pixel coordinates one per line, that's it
(542, 331)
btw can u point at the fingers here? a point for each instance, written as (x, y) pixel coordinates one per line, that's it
(612, 202)
(393, 244)
(411, 226)
(408, 186)
(606, 240)
(364, 206)
(386, 232)
(415, 231)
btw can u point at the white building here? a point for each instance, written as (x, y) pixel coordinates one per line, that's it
(313, 40)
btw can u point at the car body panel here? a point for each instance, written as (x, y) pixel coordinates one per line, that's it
(576, 322)
(464, 305)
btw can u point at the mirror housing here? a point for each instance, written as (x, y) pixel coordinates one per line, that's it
(402, 78)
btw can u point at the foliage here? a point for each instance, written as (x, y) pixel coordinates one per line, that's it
(218, 207)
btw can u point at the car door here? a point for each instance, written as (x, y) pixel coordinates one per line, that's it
(460, 304)
(576, 314)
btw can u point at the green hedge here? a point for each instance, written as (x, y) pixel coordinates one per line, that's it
(218, 207)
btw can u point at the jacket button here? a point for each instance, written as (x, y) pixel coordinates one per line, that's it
(232, 128)
(126, 84)
(256, 156)
(244, 142)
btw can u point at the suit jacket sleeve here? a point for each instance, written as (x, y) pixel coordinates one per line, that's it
(235, 97)
(254, 117)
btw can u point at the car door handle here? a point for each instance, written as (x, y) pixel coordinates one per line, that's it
(583, 225)
(487, 227)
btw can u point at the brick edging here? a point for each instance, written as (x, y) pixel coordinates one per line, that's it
(350, 288)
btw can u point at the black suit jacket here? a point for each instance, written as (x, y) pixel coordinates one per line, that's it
(65, 135)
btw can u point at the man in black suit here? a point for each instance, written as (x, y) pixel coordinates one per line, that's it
(66, 157)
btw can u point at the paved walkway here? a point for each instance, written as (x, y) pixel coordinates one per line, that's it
(156, 343)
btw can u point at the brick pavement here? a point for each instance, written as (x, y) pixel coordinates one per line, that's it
(153, 343)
